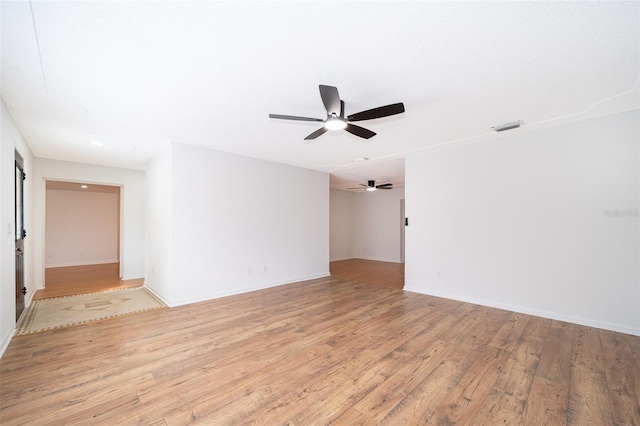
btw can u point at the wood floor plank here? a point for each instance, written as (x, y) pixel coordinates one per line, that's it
(507, 337)
(419, 404)
(555, 361)
(323, 351)
(589, 401)
(548, 399)
(463, 403)
(622, 372)
(547, 403)
(377, 404)
(506, 402)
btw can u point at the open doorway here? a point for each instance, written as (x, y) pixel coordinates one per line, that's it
(82, 238)
(367, 236)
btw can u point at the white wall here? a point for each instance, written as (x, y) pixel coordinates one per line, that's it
(229, 214)
(379, 225)
(11, 141)
(132, 196)
(159, 226)
(342, 220)
(81, 228)
(366, 225)
(521, 223)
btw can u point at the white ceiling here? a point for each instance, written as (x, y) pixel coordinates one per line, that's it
(137, 75)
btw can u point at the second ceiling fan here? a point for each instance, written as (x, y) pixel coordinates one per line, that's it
(371, 185)
(335, 115)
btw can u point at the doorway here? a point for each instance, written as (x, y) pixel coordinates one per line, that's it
(367, 236)
(82, 238)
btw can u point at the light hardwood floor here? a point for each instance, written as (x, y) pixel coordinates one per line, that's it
(67, 281)
(328, 351)
(386, 274)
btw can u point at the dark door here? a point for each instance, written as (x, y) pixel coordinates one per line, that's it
(21, 290)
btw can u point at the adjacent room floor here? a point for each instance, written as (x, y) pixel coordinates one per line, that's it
(67, 281)
(386, 274)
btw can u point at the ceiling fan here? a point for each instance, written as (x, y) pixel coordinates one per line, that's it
(371, 186)
(335, 115)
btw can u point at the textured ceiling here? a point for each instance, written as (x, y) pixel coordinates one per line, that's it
(137, 75)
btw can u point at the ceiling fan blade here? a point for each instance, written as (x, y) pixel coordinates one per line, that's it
(293, 117)
(317, 133)
(359, 131)
(383, 111)
(331, 99)
(383, 185)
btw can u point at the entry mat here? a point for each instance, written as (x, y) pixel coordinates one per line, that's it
(48, 314)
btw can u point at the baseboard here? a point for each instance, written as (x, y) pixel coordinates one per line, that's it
(156, 295)
(29, 298)
(379, 259)
(619, 328)
(83, 263)
(242, 290)
(375, 259)
(132, 277)
(338, 259)
(6, 339)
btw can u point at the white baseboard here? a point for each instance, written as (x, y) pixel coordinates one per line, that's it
(620, 328)
(379, 259)
(234, 292)
(29, 298)
(132, 277)
(376, 259)
(82, 263)
(338, 259)
(158, 296)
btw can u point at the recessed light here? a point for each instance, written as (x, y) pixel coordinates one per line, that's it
(83, 186)
(97, 143)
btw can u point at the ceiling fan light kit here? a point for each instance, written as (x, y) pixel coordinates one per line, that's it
(335, 123)
(335, 115)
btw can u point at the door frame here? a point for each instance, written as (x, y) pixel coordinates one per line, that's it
(19, 235)
(402, 229)
(120, 226)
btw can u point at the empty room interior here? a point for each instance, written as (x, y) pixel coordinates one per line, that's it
(371, 212)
